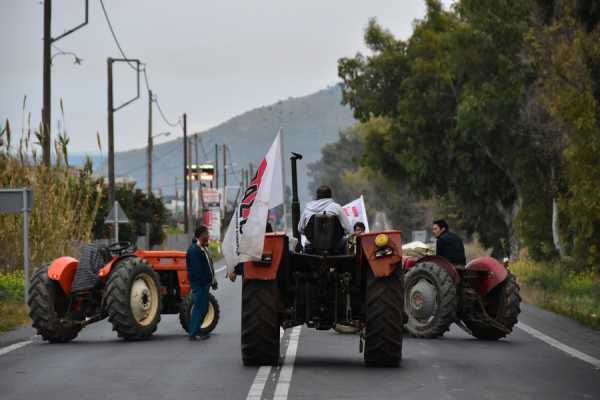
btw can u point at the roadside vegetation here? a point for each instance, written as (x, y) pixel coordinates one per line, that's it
(559, 287)
(13, 311)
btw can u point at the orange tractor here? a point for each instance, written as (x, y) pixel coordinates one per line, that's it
(324, 286)
(131, 287)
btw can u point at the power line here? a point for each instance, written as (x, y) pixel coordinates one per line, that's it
(114, 35)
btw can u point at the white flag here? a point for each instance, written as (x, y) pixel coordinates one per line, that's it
(357, 212)
(245, 236)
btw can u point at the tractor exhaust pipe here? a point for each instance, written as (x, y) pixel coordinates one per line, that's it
(295, 202)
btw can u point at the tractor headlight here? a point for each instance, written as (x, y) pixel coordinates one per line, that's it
(382, 240)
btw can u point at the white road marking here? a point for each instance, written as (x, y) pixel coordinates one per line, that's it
(258, 385)
(220, 269)
(285, 375)
(12, 347)
(559, 345)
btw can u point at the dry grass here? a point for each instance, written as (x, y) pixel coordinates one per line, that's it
(13, 315)
(65, 205)
(558, 288)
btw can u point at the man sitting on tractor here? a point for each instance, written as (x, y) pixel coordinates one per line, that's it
(448, 245)
(324, 204)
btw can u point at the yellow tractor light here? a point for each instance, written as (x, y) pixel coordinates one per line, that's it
(382, 240)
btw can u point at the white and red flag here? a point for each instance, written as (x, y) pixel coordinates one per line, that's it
(245, 236)
(357, 212)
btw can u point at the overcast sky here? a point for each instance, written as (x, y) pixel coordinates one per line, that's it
(211, 59)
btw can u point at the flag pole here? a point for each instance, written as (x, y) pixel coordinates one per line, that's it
(285, 220)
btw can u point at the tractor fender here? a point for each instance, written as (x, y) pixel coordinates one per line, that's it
(63, 271)
(266, 269)
(384, 266)
(107, 269)
(442, 262)
(496, 273)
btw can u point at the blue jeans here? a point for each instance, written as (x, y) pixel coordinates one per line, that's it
(200, 295)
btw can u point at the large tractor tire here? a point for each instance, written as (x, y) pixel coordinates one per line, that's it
(210, 320)
(430, 300)
(260, 323)
(384, 319)
(47, 309)
(132, 299)
(502, 305)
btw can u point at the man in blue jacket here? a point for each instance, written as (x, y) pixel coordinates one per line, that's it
(201, 276)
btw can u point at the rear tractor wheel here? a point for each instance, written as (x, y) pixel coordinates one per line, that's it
(210, 319)
(48, 306)
(384, 318)
(132, 299)
(260, 323)
(430, 300)
(502, 306)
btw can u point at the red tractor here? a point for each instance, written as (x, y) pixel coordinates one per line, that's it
(322, 287)
(482, 298)
(131, 287)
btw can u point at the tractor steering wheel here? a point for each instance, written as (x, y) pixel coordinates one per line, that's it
(121, 248)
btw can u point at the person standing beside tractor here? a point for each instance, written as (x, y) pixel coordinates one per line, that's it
(201, 275)
(448, 245)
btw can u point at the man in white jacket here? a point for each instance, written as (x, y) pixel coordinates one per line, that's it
(324, 204)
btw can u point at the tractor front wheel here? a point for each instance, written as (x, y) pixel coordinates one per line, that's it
(132, 299)
(210, 319)
(383, 336)
(48, 308)
(260, 323)
(430, 300)
(502, 306)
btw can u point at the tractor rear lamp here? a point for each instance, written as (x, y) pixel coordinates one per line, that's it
(382, 240)
(265, 260)
(383, 252)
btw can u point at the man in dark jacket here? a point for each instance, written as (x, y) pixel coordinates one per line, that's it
(448, 244)
(201, 276)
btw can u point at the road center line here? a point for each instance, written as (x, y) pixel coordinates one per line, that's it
(285, 375)
(559, 345)
(258, 385)
(12, 347)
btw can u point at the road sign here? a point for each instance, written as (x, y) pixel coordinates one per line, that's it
(11, 200)
(14, 201)
(117, 216)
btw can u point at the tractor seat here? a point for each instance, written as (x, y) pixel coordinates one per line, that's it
(325, 234)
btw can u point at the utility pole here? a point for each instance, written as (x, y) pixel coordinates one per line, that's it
(200, 194)
(250, 172)
(111, 135)
(47, 76)
(176, 200)
(225, 167)
(111, 124)
(190, 177)
(46, 106)
(216, 166)
(150, 145)
(185, 174)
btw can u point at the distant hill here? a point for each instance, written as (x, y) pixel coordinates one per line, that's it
(308, 123)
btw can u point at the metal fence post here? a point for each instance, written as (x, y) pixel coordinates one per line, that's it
(26, 242)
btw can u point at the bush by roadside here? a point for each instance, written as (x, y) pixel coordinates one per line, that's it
(557, 287)
(13, 311)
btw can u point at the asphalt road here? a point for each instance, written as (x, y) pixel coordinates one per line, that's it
(318, 365)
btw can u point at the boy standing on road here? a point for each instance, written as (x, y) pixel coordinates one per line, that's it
(201, 276)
